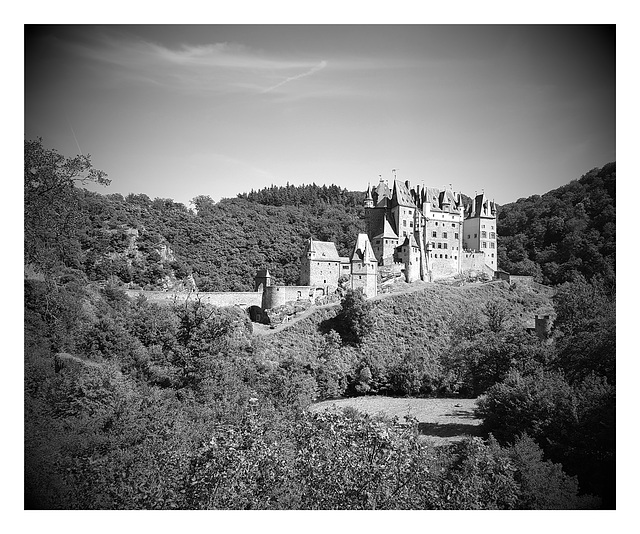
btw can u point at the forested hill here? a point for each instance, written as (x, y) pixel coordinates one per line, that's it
(305, 195)
(222, 244)
(144, 242)
(566, 231)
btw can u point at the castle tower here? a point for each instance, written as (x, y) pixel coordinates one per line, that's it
(320, 264)
(262, 280)
(479, 230)
(364, 267)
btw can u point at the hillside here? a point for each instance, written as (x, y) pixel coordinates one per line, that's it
(156, 243)
(420, 325)
(569, 230)
(129, 404)
(222, 245)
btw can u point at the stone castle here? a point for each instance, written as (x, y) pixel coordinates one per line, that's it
(412, 233)
(420, 233)
(430, 232)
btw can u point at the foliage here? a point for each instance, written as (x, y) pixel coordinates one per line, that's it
(585, 329)
(355, 319)
(50, 210)
(158, 407)
(573, 425)
(566, 231)
(222, 244)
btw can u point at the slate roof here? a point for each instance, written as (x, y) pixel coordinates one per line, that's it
(402, 195)
(382, 190)
(325, 250)
(362, 250)
(387, 231)
(483, 207)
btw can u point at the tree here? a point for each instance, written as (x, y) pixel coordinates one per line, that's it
(50, 203)
(356, 317)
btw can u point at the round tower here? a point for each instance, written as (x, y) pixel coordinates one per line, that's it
(273, 296)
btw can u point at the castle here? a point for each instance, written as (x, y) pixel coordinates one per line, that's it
(424, 233)
(429, 232)
(418, 233)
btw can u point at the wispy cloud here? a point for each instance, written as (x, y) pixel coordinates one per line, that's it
(211, 68)
(311, 71)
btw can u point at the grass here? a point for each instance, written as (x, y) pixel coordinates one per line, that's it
(440, 420)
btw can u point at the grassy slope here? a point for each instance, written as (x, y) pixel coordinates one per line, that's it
(415, 321)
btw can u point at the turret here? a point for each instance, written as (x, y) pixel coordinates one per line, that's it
(368, 201)
(262, 280)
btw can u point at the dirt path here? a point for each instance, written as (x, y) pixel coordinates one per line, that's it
(440, 420)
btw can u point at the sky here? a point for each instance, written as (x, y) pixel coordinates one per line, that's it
(186, 110)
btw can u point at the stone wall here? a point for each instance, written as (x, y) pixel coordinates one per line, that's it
(473, 261)
(243, 299)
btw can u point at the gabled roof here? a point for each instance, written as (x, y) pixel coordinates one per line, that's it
(449, 201)
(387, 231)
(432, 195)
(401, 195)
(482, 207)
(324, 250)
(411, 241)
(363, 250)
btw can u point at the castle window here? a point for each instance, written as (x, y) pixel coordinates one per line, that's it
(411, 224)
(455, 236)
(446, 257)
(444, 234)
(434, 234)
(453, 225)
(441, 256)
(492, 255)
(482, 226)
(444, 245)
(433, 245)
(492, 245)
(455, 257)
(377, 241)
(492, 235)
(484, 244)
(483, 235)
(436, 223)
(475, 235)
(439, 245)
(404, 223)
(468, 236)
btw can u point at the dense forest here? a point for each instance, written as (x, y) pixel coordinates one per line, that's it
(222, 244)
(134, 405)
(566, 231)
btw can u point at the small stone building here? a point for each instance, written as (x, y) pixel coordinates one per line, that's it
(321, 265)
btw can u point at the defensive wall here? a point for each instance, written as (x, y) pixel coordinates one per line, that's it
(243, 299)
(271, 297)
